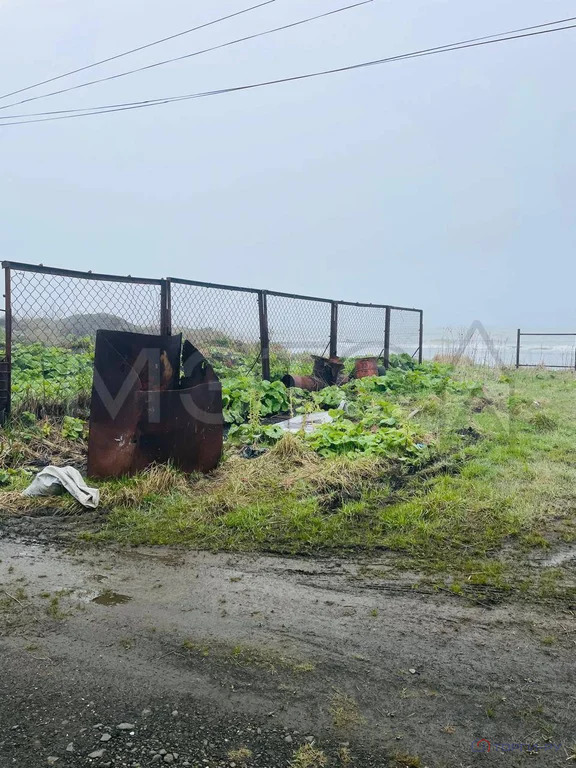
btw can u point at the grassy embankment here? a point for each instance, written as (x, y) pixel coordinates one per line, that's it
(462, 473)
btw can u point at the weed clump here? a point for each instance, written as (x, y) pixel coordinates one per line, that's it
(309, 756)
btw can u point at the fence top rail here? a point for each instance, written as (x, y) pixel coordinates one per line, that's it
(21, 267)
(378, 306)
(200, 284)
(522, 333)
(40, 268)
(222, 287)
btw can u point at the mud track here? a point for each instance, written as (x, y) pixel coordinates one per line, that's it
(205, 654)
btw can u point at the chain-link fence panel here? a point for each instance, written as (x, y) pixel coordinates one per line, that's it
(55, 315)
(298, 328)
(223, 323)
(4, 370)
(361, 330)
(405, 332)
(547, 350)
(60, 309)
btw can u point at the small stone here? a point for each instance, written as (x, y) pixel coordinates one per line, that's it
(412, 671)
(105, 737)
(52, 760)
(162, 752)
(96, 754)
(288, 739)
(175, 713)
(99, 725)
(175, 755)
(126, 726)
(146, 712)
(169, 759)
(258, 731)
(70, 747)
(156, 758)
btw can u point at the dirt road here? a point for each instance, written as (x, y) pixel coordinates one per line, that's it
(153, 657)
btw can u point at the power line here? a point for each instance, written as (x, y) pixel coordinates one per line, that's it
(139, 48)
(187, 55)
(72, 113)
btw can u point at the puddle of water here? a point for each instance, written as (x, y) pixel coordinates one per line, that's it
(111, 598)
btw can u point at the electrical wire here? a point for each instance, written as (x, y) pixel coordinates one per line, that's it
(187, 55)
(139, 48)
(88, 112)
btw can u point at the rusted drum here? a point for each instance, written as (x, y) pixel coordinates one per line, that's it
(366, 366)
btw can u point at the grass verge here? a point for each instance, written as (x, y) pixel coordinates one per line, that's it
(499, 483)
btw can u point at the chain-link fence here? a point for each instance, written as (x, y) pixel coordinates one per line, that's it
(223, 323)
(548, 350)
(52, 316)
(4, 364)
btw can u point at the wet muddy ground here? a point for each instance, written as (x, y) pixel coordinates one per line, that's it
(148, 657)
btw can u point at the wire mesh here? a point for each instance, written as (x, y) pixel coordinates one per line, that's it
(55, 318)
(405, 332)
(361, 331)
(222, 323)
(548, 350)
(55, 315)
(298, 327)
(58, 310)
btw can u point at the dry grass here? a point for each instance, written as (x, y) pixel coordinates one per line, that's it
(156, 480)
(240, 755)
(23, 448)
(309, 756)
(403, 760)
(344, 711)
(13, 503)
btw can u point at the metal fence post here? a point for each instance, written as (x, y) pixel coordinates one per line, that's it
(421, 348)
(387, 338)
(334, 330)
(165, 308)
(6, 364)
(264, 335)
(518, 349)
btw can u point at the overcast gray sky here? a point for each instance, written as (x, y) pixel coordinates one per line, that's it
(445, 182)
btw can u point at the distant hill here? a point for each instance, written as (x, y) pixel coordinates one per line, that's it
(60, 330)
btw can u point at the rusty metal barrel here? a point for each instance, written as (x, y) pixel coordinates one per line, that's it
(366, 366)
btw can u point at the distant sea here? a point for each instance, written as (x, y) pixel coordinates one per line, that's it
(493, 346)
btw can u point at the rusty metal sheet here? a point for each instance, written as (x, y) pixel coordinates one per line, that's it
(326, 372)
(327, 369)
(139, 412)
(183, 426)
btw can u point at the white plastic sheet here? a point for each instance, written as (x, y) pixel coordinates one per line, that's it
(51, 481)
(308, 422)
